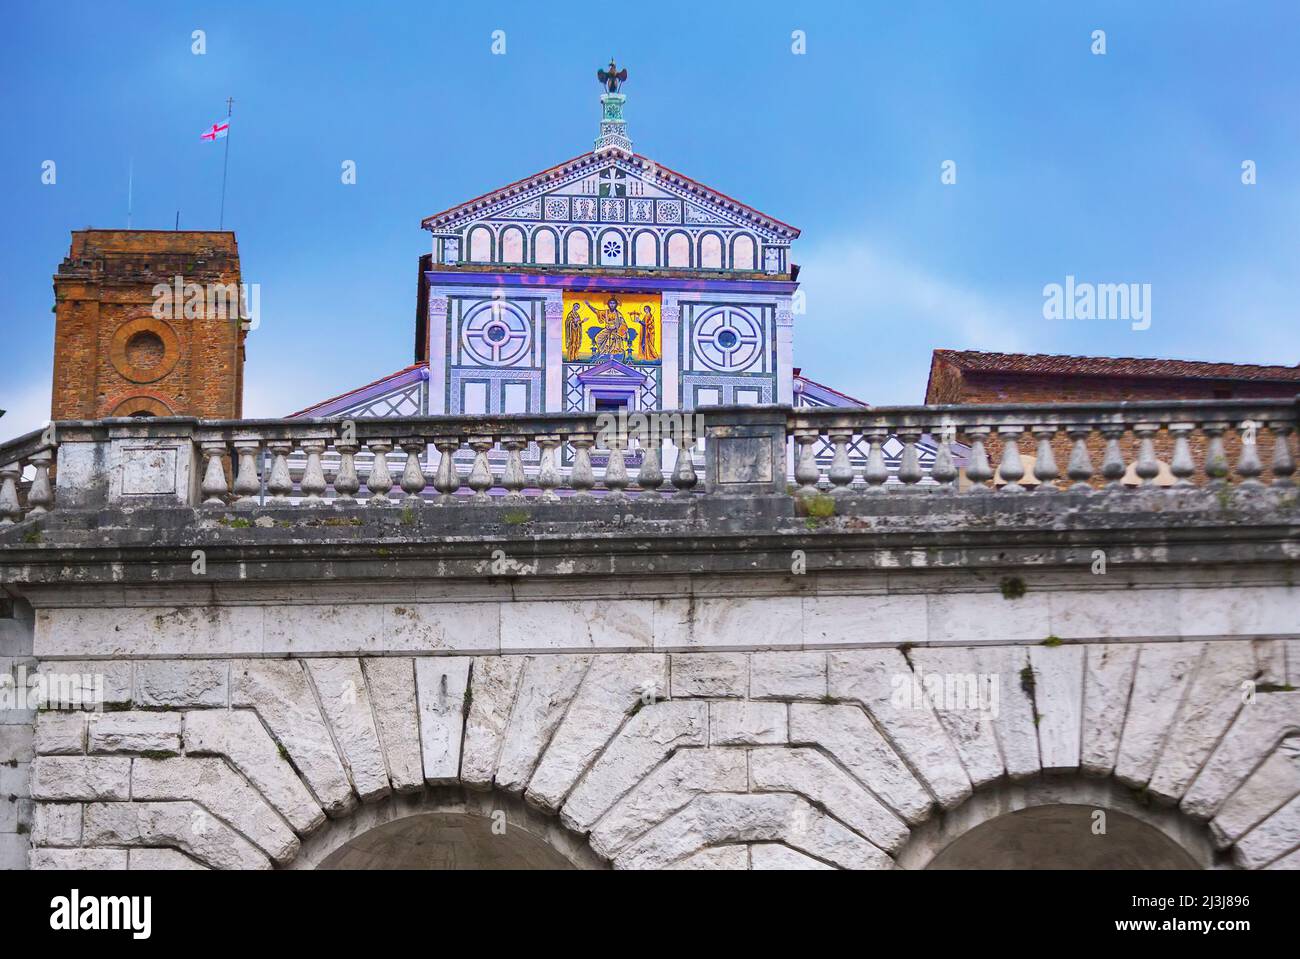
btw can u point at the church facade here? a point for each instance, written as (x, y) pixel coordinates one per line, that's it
(608, 281)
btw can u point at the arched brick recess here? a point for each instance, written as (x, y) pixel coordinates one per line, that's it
(145, 402)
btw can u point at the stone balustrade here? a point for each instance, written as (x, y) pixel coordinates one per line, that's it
(745, 450)
(25, 486)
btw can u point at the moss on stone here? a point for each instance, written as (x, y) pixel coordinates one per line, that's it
(1013, 587)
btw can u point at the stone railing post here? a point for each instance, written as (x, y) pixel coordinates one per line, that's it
(744, 452)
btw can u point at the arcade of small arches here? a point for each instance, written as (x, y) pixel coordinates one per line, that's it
(684, 248)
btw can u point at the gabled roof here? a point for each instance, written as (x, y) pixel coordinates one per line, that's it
(334, 404)
(824, 393)
(664, 176)
(1040, 364)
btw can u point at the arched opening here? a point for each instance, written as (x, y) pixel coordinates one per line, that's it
(446, 828)
(1063, 837)
(1059, 822)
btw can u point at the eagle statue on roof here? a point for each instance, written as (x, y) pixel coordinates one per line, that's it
(613, 78)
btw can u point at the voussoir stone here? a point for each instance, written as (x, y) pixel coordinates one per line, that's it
(220, 790)
(440, 685)
(869, 677)
(391, 681)
(494, 681)
(686, 775)
(649, 736)
(240, 737)
(847, 733)
(279, 692)
(809, 773)
(546, 688)
(345, 701)
(615, 685)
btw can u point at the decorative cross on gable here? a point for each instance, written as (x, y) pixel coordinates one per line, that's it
(613, 182)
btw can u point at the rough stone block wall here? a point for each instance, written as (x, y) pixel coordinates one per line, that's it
(15, 737)
(695, 760)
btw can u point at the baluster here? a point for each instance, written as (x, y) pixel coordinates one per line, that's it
(548, 473)
(10, 510)
(41, 495)
(346, 481)
(447, 478)
(1045, 468)
(684, 478)
(280, 483)
(1012, 468)
(513, 478)
(581, 477)
(650, 477)
(247, 484)
(1079, 468)
(616, 478)
(1147, 467)
(875, 473)
(1182, 465)
(909, 466)
(413, 481)
(1216, 460)
(806, 473)
(1283, 462)
(841, 471)
(380, 479)
(1112, 462)
(480, 474)
(943, 471)
(313, 483)
(1248, 464)
(978, 470)
(213, 486)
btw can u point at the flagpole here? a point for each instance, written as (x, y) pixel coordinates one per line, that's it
(225, 163)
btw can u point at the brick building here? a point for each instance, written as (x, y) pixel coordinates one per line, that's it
(147, 324)
(966, 377)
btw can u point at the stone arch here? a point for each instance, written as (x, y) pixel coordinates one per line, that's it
(482, 245)
(1070, 822)
(813, 758)
(710, 251)
(446, 828)
(577, 247)
(645, 248)
(514, 245)
(678, 250)
(545, 246)
(142, 403)
(744, 252)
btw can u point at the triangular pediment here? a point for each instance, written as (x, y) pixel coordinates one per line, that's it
(611, 187)
(610, 371)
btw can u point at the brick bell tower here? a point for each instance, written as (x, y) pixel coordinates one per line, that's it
(147, 323)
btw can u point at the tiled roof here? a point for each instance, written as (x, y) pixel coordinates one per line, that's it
(1040, 364)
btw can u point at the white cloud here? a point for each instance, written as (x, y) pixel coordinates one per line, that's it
(27, 408)
(873, 320)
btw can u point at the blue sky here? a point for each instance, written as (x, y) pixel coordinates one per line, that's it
(1117, 168)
